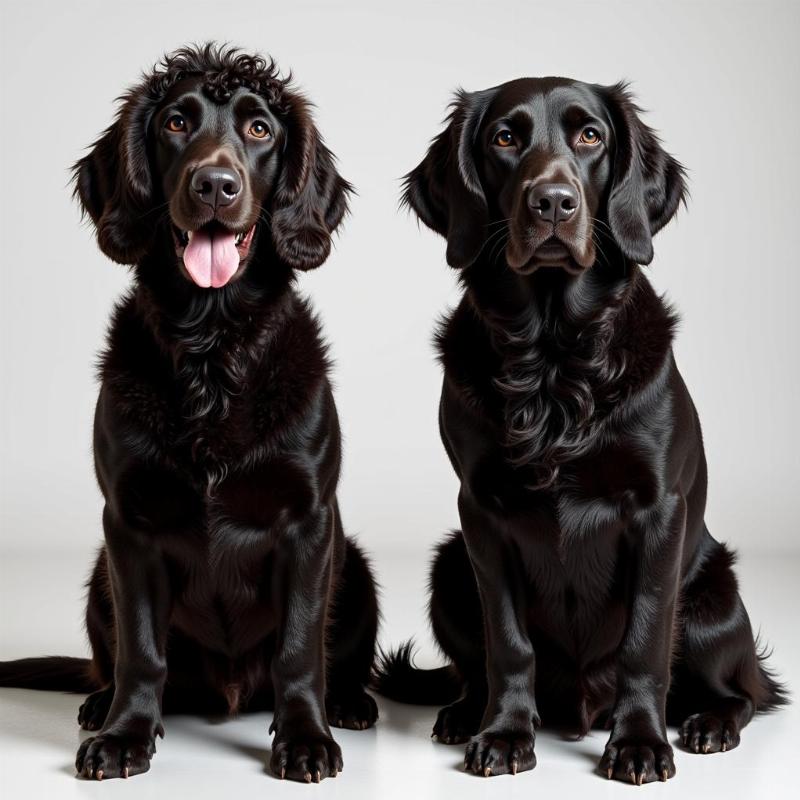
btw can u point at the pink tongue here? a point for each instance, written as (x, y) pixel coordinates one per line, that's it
(211, 259)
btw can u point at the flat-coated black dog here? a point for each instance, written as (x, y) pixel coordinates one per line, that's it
(585, 586)
(226, 581)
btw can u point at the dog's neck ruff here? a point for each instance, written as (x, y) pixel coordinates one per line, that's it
(214, 342)
(560, 372)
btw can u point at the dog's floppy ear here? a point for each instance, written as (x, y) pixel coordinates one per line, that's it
(113, 181)
(311, 196)
(648, 185)
(445, 189)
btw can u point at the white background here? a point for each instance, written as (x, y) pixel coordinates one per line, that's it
(721, 79)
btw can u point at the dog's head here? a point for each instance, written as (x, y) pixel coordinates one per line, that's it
(549, 167)
(212, 151)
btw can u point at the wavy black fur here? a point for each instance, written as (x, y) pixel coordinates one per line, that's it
(226, 580)
(585, 587)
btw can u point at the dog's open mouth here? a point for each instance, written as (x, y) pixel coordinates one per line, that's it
(212, 254)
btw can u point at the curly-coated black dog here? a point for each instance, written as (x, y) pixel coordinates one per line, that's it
(226, 581)
(585, 586)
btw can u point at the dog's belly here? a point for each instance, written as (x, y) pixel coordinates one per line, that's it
(228, 620)
(576, 641)
(577, 614)
(223, 587)
(222, 633)
(219, 549)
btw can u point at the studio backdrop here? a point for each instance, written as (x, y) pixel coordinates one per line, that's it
(720, 80)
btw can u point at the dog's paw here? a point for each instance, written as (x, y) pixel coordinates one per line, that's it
(496, 752)
(306, 757)
(709, 733)
(637, 761)
(458, 722)
(94, 710)
(353, 709)
(114, 756)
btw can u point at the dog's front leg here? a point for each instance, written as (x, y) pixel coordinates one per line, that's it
(505, 742)
(638, 750)
(142, 597)
(303, 748)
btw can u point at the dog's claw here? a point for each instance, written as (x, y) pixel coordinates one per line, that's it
(514, 767)
(487, 772)
(125, 772)
(99, 775)
(664, 775)
(317, 776)
(610, 773)
(283, 772)
(307, 777)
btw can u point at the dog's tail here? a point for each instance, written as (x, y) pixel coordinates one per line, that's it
(395, 676)
(770, 693)
(53, 673)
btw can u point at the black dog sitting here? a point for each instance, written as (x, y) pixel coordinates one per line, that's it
(584, 566)
(226, 579)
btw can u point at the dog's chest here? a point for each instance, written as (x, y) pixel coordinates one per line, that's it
(208, 441)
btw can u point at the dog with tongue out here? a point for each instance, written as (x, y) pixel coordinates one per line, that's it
(217, 445)
(212, 255)
(233, 157)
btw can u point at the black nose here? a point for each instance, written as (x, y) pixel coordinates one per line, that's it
(216, 186)
(553, 202)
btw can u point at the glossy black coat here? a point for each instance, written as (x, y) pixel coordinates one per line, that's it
(226, 581)
(585, 586)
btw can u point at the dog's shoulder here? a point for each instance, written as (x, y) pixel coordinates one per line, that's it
(295, 361)
(470, 361)
(643, 335)
(135, 378)
(131, 358)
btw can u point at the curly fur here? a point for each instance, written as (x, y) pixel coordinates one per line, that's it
(560, 375)
(217, 445)
(224, 69)
(210, 343)
(114, 181)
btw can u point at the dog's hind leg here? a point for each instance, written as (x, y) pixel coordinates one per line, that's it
(352, 630)
(457, 621)
(94, 709)
(718, 681)
(100, 630)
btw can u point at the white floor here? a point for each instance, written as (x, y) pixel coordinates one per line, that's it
(41, 603)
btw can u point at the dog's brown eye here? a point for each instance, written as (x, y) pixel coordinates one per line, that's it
(590, 136)
(259, 129)
(504, 138)
(176, 124)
